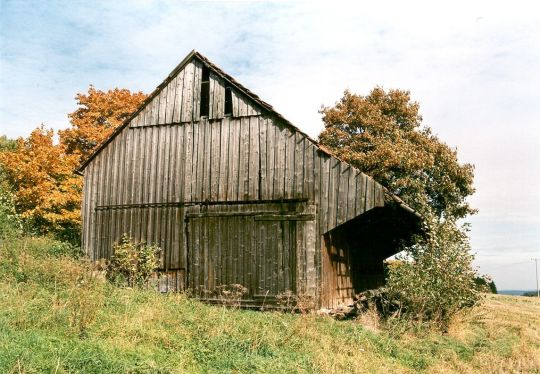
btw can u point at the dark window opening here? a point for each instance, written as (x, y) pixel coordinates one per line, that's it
(228, 101)
(205, 92)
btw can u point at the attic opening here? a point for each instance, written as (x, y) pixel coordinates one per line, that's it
(205, 92)
(228, 101)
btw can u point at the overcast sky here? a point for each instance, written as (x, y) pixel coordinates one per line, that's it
(474, 67)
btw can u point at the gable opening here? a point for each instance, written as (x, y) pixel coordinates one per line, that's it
(228, 101)
(205, 92)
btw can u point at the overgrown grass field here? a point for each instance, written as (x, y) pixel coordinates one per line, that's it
(57, 316)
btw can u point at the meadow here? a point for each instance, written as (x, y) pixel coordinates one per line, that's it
(57, 315)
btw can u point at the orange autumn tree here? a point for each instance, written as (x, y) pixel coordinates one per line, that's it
(47, 193)
(40, 172)
(98, 115)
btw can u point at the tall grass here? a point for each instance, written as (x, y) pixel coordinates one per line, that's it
(58, 315)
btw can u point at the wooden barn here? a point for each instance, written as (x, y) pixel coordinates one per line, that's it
(235, 194)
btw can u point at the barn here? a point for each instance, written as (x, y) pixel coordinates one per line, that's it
(235, 194)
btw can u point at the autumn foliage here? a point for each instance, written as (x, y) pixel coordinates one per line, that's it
(98, 115)
(47, 193)
(40, 171)
(382, 135)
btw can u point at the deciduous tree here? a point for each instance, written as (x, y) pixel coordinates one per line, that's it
(98, 115)
(40, 173)
(382, 135)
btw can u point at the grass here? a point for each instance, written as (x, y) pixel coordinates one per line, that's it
(57, 316)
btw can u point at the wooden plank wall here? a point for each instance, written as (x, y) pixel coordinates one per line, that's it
(245, 159)
(337, 279)
(264, 247)
(179, 100)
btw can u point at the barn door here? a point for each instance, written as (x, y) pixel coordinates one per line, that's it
(219, 252)
(263, 251)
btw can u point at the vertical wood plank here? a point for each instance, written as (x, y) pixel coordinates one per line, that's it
(368, 194)
(234, 161)
(352, 194)
(343, 193)
(215, 152)
(171, 94)
(197, 91)
(325, 191)
(219, 93)
(163, 104)
(211, 98)
(187, 93)
(299, 166)
(290, 157)
(243, 168)
(178, 97)
(279, 162)
(223, 159)
(254, 158)
(263, 160)
(270, 158)
(194, 162)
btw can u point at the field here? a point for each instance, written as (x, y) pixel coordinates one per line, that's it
(57, 316)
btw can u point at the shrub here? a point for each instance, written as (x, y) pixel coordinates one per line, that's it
(10, 221)
(132, 263)
(435, 279)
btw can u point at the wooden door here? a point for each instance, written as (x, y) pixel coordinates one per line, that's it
(263, 251)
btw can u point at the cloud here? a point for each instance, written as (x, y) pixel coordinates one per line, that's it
(472, 66)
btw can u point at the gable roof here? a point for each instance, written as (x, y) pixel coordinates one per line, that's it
(218, 71)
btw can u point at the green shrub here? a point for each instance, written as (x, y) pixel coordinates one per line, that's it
(132, 263)
(10, 222)
(435, 279)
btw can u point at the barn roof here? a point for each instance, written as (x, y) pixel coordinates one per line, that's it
(234, 83)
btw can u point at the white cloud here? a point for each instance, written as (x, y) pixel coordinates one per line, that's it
(474, 68)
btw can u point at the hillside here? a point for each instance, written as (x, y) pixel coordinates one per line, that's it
(56, 317)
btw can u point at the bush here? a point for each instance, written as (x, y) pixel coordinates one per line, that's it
(435, 279)
(10, 221)
(132, 263)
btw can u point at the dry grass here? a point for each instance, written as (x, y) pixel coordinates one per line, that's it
(130, 330)
(509, 326)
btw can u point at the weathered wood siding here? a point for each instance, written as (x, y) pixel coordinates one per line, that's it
(169, 160)
(179, 100)
(268, 248)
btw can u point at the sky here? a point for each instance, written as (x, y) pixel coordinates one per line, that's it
(474, 67)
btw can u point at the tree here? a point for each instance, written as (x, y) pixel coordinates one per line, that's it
(46, 193)
(37, 174)
(99, 114)
(381, 134)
